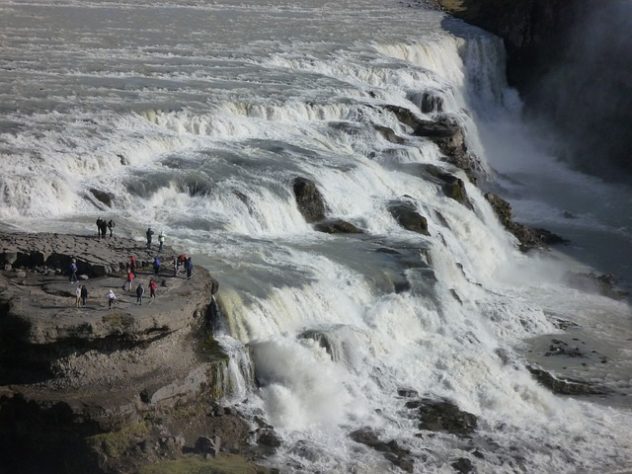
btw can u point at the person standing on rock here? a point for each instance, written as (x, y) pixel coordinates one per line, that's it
(188, 266)
(73, 271)
(140, 291)
(149, 234)
(84, 295)
(99, 220)
(128, 282)
(111, 226)
(77, 296)
(111, 298)
(161, 241)
(153, 284)
(132, 263)
(156, 265)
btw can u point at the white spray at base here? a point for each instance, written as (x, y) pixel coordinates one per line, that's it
(320, 340)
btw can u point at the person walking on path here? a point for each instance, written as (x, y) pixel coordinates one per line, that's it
(132, 263)
(140, 291)
(188, 266)
(84, 295)
(111, 298)
(156, 265)
(73, 271)
(128, 282)
(149, 234)
(111, 226)
(161, 241)
(153, 284)
(77, 296)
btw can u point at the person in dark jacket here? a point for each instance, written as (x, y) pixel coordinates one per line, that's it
(99, 223)
(73, 272)
(156, 265)
(84, 295)
(149, 233)
(111, 226)
(140, 291)
(188, 266)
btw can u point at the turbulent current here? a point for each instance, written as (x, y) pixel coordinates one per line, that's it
(196, 116)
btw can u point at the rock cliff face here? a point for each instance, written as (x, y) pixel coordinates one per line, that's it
(571, 61)
(98, 389)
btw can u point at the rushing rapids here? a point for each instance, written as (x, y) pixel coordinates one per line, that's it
(196, 118)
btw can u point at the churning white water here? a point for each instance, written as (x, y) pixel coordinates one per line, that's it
(197, 116)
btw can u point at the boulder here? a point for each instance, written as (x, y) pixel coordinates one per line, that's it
(565, 386)
(309, 200)
(463, 466)
(529, 237)
(407, 216)
(431, 103)
(443, 415)
(389, 134)
(337, 226)
(102, 196)
(454, 188)
(391, 450)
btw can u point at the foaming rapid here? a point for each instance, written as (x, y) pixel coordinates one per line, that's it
(198, 123)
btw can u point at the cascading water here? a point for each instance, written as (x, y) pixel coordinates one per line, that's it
(198, 122)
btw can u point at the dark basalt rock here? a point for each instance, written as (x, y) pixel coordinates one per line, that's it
(337, 226)
(391, 450)
(443, 415)
(309, 200)
(528, 237)
(446, 133)
(407, 216)
(564, 386)
(454, 188)
(389, 134)
(463, 466)
(407, 392)
(103, 196)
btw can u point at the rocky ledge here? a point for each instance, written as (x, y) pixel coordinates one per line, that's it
(98, 389)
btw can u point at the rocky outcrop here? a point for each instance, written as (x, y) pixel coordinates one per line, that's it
(391, 450)
(337, 226)
(566, 386)
(529, 237)
(446, 133)
(99, 389)
(389, 134)
(407, 216)
(443, 415)
(309, 200)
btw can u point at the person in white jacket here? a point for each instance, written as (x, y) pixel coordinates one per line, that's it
(111, 298)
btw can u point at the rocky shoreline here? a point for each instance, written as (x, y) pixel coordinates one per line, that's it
(134, 388)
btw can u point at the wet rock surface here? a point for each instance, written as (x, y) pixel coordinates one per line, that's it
(337, 226)
(443, 415)
(391, 450)
(444, 131)
(566, 386)
(406, 215)
(309, 200)
(529, 237)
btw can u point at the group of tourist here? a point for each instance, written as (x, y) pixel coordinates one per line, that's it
(180, 261)
(103, 226)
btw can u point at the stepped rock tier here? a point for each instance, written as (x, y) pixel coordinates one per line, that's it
(104, 389)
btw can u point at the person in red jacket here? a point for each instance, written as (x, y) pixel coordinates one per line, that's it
(153, 284)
